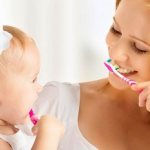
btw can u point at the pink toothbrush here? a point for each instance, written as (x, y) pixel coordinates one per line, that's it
(33, 117)
(112, 69)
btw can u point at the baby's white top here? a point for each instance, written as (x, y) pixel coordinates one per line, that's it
(62, 101)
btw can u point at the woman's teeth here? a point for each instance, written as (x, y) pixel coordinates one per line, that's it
(123, 70)
(126, 71)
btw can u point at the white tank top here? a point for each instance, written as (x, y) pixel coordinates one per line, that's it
(62, 101)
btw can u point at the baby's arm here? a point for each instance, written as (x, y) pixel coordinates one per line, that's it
(7, 129)
(48, 132)
(4, 145)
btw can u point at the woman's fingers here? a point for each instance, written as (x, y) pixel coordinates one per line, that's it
(143, 97)
(140, 86)
(148, 103)
(143, 89)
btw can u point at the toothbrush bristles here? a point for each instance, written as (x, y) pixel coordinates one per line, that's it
(114, 69)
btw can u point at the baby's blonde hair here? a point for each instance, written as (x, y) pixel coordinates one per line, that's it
(14, 58)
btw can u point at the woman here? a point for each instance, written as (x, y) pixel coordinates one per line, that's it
(107, 114)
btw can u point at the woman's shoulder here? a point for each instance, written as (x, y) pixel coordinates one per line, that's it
(90, 86)
(60, 99)
(93, 90)
(57, 84)
(68, 87)
(94, 86)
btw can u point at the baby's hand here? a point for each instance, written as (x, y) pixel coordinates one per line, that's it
(144, 94)
(49, 126)
(48, 132)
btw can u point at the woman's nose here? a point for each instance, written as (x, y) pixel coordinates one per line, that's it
(119, 51)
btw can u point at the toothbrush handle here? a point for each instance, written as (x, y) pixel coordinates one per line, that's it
(34, 120)
(33, 117)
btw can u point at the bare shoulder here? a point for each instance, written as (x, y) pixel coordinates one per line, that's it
(93, 86)
(91, 91)
(4, 145)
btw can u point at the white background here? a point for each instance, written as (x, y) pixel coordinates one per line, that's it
(69, 33)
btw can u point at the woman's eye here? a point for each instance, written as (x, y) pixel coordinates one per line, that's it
(137, 49)
(114, 31)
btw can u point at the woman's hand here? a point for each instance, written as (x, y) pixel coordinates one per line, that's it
(144, 94)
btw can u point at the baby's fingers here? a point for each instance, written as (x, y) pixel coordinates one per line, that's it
(35, 130)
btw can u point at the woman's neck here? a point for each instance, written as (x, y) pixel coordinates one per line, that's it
(126, 95)
(129, 101)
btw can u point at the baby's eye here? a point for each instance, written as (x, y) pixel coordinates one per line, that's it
(35, 80)
(115, 31)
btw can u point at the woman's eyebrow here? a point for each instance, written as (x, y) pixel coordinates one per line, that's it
(136, 38)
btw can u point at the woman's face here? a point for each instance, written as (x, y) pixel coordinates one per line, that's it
(128, 41)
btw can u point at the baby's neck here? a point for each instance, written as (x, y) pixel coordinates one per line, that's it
(3, 123)
(6, 128)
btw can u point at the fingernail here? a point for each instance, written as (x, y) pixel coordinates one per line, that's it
(134, 86)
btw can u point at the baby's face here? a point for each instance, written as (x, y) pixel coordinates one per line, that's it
(18, 91)
(129, 41)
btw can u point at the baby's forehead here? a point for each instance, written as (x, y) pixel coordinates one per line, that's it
(17, 56)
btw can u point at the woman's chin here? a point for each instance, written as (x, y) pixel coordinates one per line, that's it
(117, 83)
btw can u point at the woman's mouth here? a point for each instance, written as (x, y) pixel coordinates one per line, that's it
(126, 72)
